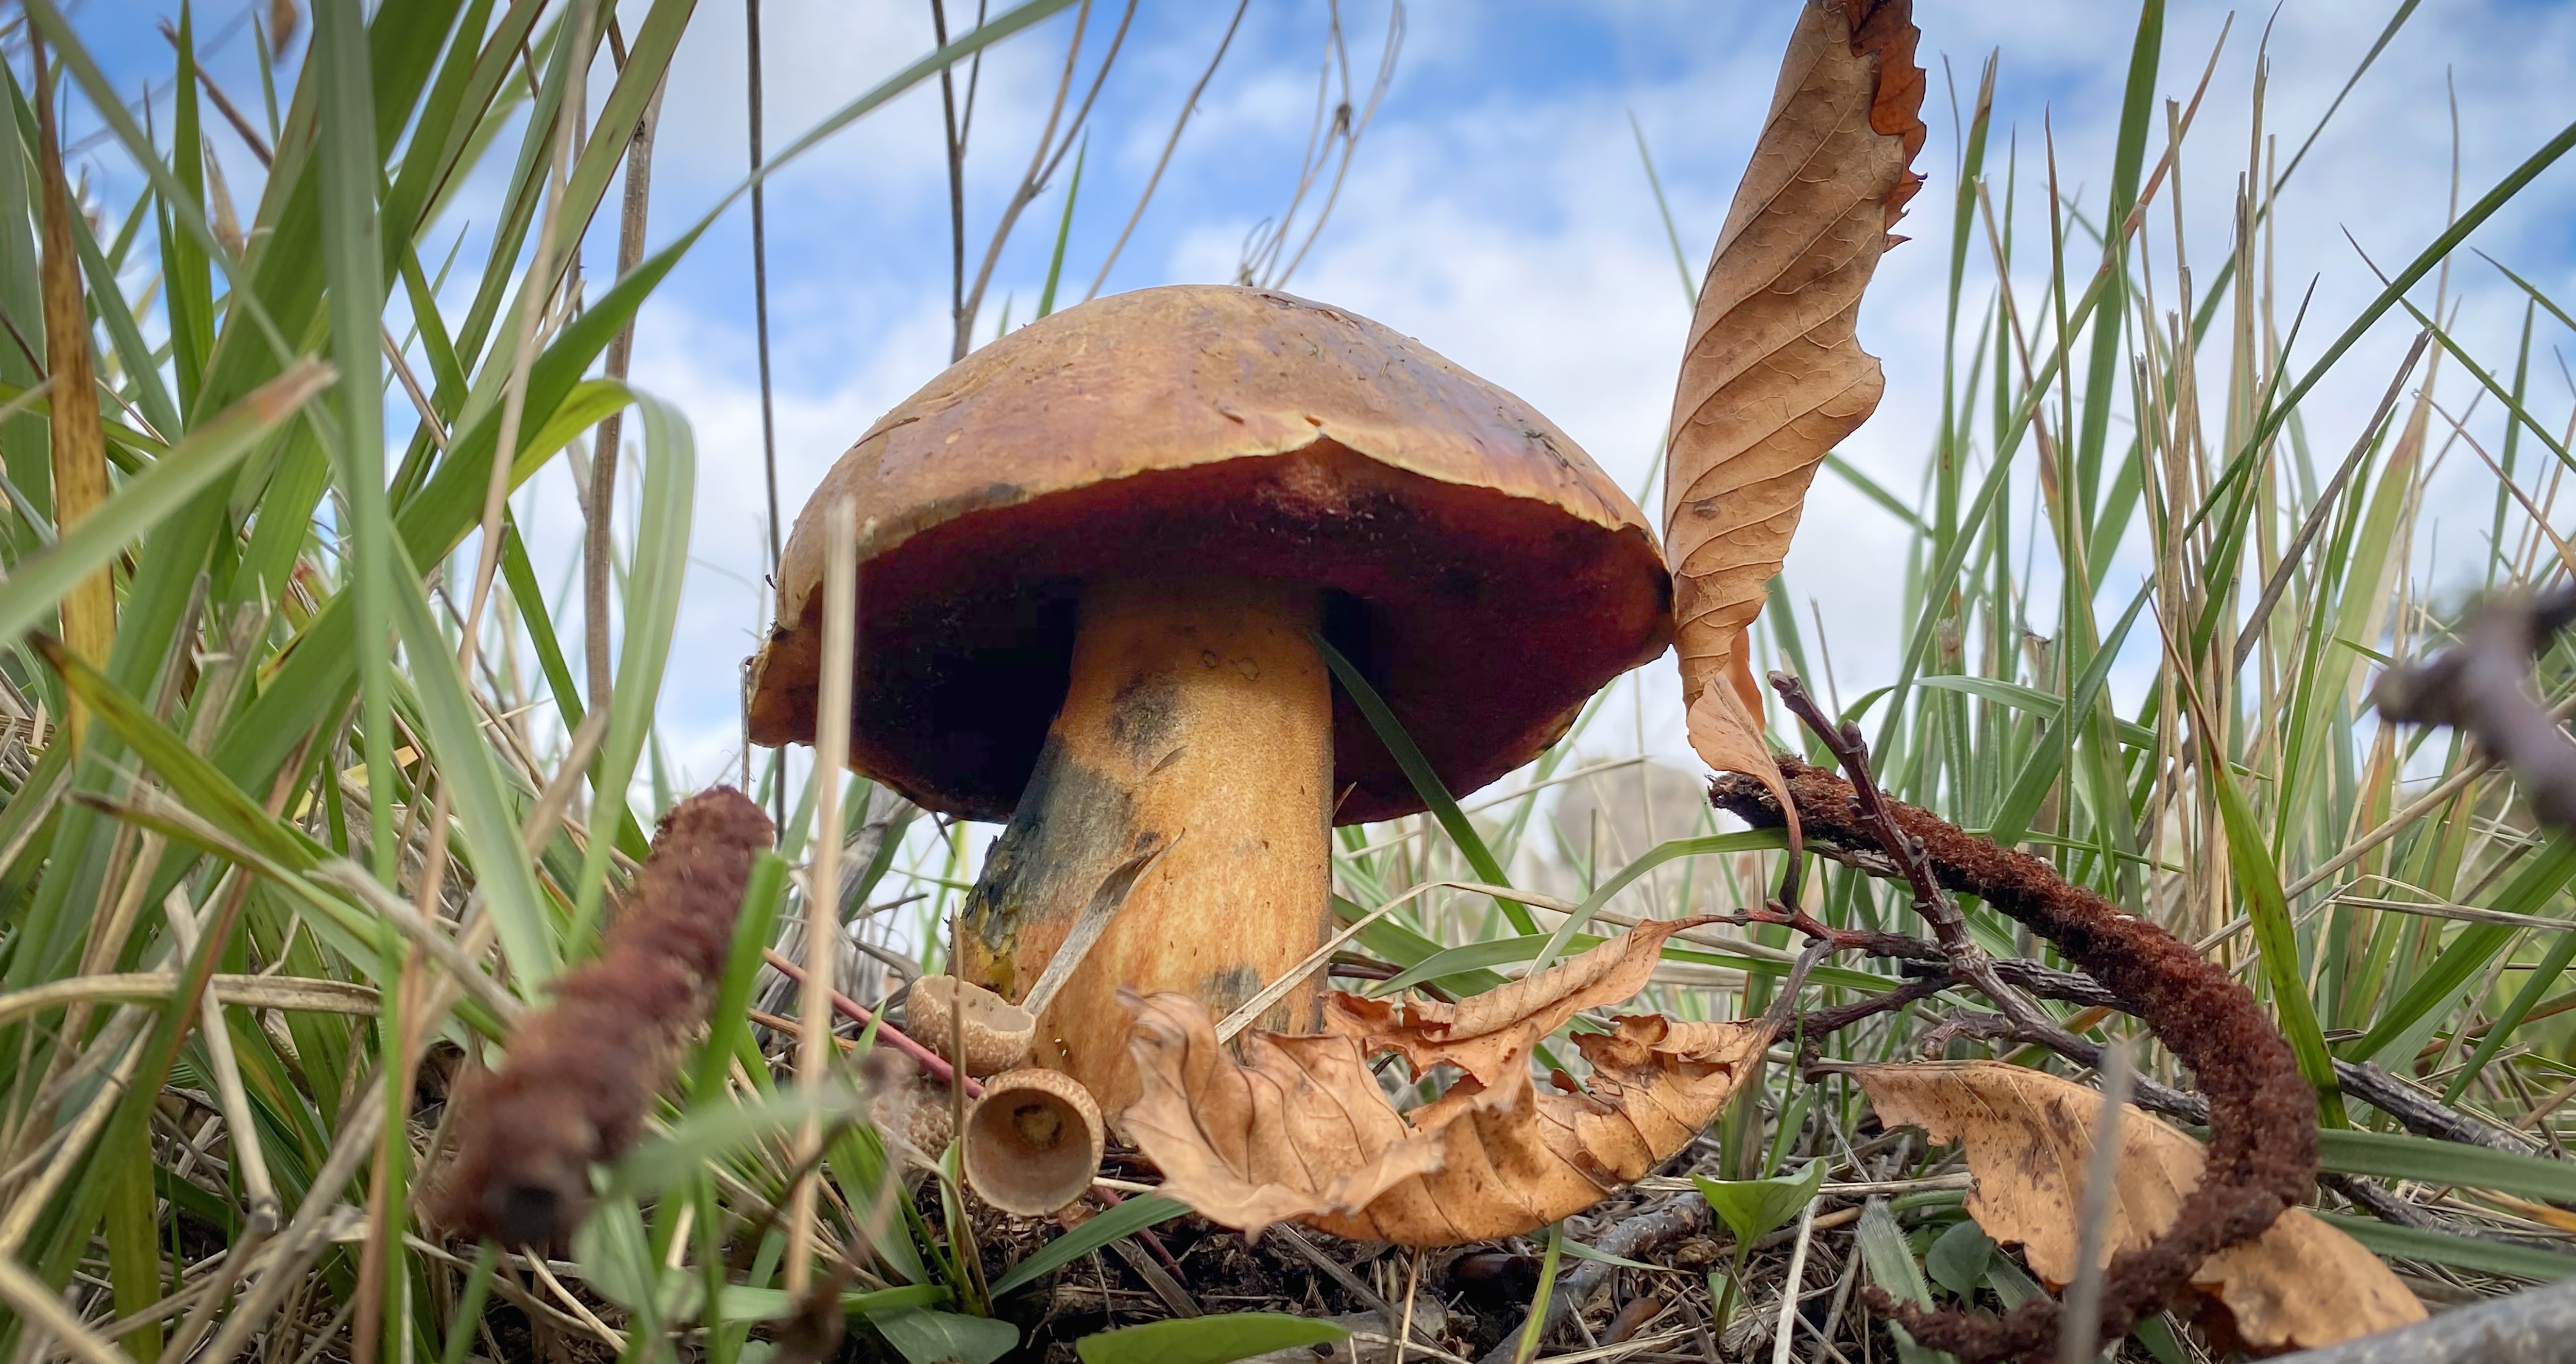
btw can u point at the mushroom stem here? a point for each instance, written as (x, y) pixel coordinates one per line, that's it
(1195, 705)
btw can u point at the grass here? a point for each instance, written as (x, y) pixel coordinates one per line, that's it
(305, 785)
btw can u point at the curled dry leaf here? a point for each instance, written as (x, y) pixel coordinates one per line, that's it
(1774, 373)
(1303, 1133)
(2029, 1135)
(1483, 1034)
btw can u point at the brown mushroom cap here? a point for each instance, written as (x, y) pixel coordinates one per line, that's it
(1482, 572)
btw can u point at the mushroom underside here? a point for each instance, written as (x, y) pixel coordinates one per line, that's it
(1483, 618)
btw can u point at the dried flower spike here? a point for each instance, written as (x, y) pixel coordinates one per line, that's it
(580, 1072)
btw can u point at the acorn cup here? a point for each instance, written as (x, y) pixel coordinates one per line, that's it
(989, 1033)
(1033, 1142)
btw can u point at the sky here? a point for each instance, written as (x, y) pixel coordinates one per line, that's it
(1497, 208)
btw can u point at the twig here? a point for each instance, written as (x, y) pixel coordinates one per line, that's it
(2263, 1116)
(1931, 901)
(2419, 1112)
(1178, 123)
(760, 325)
(859, 1013)
(2481, 685)
(1633, 1235)
(600, 507)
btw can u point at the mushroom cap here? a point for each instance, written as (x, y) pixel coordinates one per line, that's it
(1479, 569)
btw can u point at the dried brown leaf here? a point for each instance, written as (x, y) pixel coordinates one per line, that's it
(2029, 1135)
(1774, 374)
(1301, 1132)
(1482, 1034)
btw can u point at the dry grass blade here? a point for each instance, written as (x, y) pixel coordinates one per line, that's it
(2028, 1137)
(1774, 373)
(822, 918)
(79, 448)
(39, 1306)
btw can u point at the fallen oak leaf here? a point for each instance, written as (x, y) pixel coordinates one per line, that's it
(1300, 1131)
(1773, 374)
(2028, 1137)
(1486, 1034)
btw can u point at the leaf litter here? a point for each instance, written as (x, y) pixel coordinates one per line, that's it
(1301, 1131)
(2028, 1135)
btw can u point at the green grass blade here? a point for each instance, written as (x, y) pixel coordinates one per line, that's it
(1712, 845)
(210, 452)
(2399, 1155)
(2432, 255)
(652, 612)
(2444, 1248)
(1128, 1218)
(1664, 208)
(472, 778)
(1426, 781)
(1063, 229)
(2466, 956)
(2275, 937)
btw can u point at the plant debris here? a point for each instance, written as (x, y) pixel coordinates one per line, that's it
(2482, 685)
(2263, 1152)
(2028, 1135)
(1773, 374)
(1304, 1133)
(580, 1072)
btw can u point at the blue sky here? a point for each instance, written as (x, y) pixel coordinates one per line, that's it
(1497, 210)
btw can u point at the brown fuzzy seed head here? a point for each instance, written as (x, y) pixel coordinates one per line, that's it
(580, 1071)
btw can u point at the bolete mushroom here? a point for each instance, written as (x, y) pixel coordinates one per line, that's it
(1094, 559)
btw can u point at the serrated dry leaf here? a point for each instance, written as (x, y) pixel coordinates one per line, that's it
(1303, 1133)
(1483, 1034)
(2029, 1135)
(1774, 374)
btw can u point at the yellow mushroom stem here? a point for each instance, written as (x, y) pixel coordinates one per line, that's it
(1198, 711)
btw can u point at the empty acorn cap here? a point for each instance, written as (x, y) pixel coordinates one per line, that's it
(990, 1033)
(1033, 1142)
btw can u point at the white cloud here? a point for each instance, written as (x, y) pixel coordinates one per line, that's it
(1498, 212)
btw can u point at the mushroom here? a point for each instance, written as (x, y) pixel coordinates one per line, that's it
(1095, 559)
